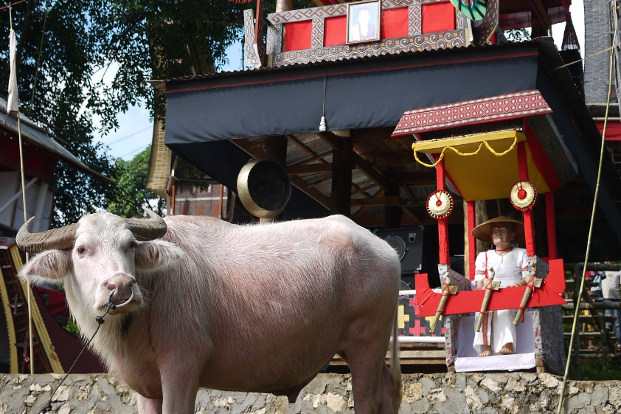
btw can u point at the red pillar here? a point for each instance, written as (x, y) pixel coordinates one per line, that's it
(442, 223)
(528, 217)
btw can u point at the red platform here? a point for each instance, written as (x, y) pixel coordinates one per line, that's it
(550, 293)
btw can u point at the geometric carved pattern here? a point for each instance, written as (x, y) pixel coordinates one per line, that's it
(335, 10)
(414, 19)
(253, 58)
(307, 14)
(317, 33)
(441, 40)
(274, 39)
(554, 146)
(414, 42)
(495, 108)
(488, 25)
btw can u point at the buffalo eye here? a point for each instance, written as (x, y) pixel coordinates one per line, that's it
(80, 249)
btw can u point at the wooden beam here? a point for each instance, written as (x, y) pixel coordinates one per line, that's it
(364, 167)
(378, 159)
(419, 179)
(376, 201)
(309, 168)
(311, 191)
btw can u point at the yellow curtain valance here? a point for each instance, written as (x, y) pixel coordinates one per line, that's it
(467, 146)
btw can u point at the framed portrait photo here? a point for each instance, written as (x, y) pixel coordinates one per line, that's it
(363, 21)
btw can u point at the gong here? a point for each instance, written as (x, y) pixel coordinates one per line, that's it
(264, 188)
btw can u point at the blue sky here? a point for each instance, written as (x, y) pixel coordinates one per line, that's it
(136, 128)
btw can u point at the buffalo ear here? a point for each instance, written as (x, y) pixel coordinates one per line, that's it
(47, 267)
(155, 254)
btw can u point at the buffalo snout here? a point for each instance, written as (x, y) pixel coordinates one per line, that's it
(121, 288)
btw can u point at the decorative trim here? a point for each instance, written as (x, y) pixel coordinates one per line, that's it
(337, 10)
(431, 41)
(274, 39)
(489, 24)
(440, 204)
(307, 14)
(523, 195)
(414, 19)
(550, 140)
(252, 56)
(317, 33)
(495, 108)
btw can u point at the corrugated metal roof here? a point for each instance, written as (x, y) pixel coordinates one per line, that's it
(35, 135)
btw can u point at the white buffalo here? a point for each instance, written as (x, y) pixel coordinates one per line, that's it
(204, 303)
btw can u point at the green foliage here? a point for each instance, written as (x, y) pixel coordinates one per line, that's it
(594, 370)
(131, 194)
(72, 327)
(81, 61)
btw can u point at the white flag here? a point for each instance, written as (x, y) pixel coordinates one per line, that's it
(12, 104)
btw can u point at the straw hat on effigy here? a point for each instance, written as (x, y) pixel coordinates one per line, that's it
(483, 231)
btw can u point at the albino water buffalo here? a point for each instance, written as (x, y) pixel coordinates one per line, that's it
(204, 303)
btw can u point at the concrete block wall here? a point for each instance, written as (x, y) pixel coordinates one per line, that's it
(513, 393)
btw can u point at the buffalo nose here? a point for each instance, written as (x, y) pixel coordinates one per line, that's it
(119, 282)
(120, 288)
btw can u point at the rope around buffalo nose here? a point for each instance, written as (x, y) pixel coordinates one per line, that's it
(100, 320)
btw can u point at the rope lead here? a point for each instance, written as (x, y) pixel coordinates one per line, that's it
(100, 320)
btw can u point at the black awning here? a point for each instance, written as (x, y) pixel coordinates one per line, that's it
(358, 94)
(205, 112)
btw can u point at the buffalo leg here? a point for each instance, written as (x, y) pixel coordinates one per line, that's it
(388, 391)
(179, 388)
(366, 383)
(148, 405)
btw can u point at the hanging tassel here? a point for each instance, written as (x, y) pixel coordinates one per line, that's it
(322, 124)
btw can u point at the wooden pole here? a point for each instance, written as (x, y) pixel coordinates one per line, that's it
(342, 166)
(276, 150)
(284, 5)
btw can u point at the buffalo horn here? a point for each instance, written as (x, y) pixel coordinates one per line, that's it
(147, 229)
(61, 238)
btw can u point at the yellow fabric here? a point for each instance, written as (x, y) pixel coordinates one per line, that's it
(482, 166)
(467, 144)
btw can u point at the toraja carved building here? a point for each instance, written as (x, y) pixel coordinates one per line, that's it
(481, 113)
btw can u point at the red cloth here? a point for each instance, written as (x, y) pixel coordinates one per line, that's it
(437, 17)
(298, 35)
(394, 23)
(613, 130)
(335, 29)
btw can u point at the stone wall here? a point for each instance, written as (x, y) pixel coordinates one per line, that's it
(515, 393)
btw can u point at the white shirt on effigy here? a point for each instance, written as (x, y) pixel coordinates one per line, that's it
(509, 268)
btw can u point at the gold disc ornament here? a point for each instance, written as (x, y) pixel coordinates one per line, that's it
(523, 195)
(264, 188)
(440, 204)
